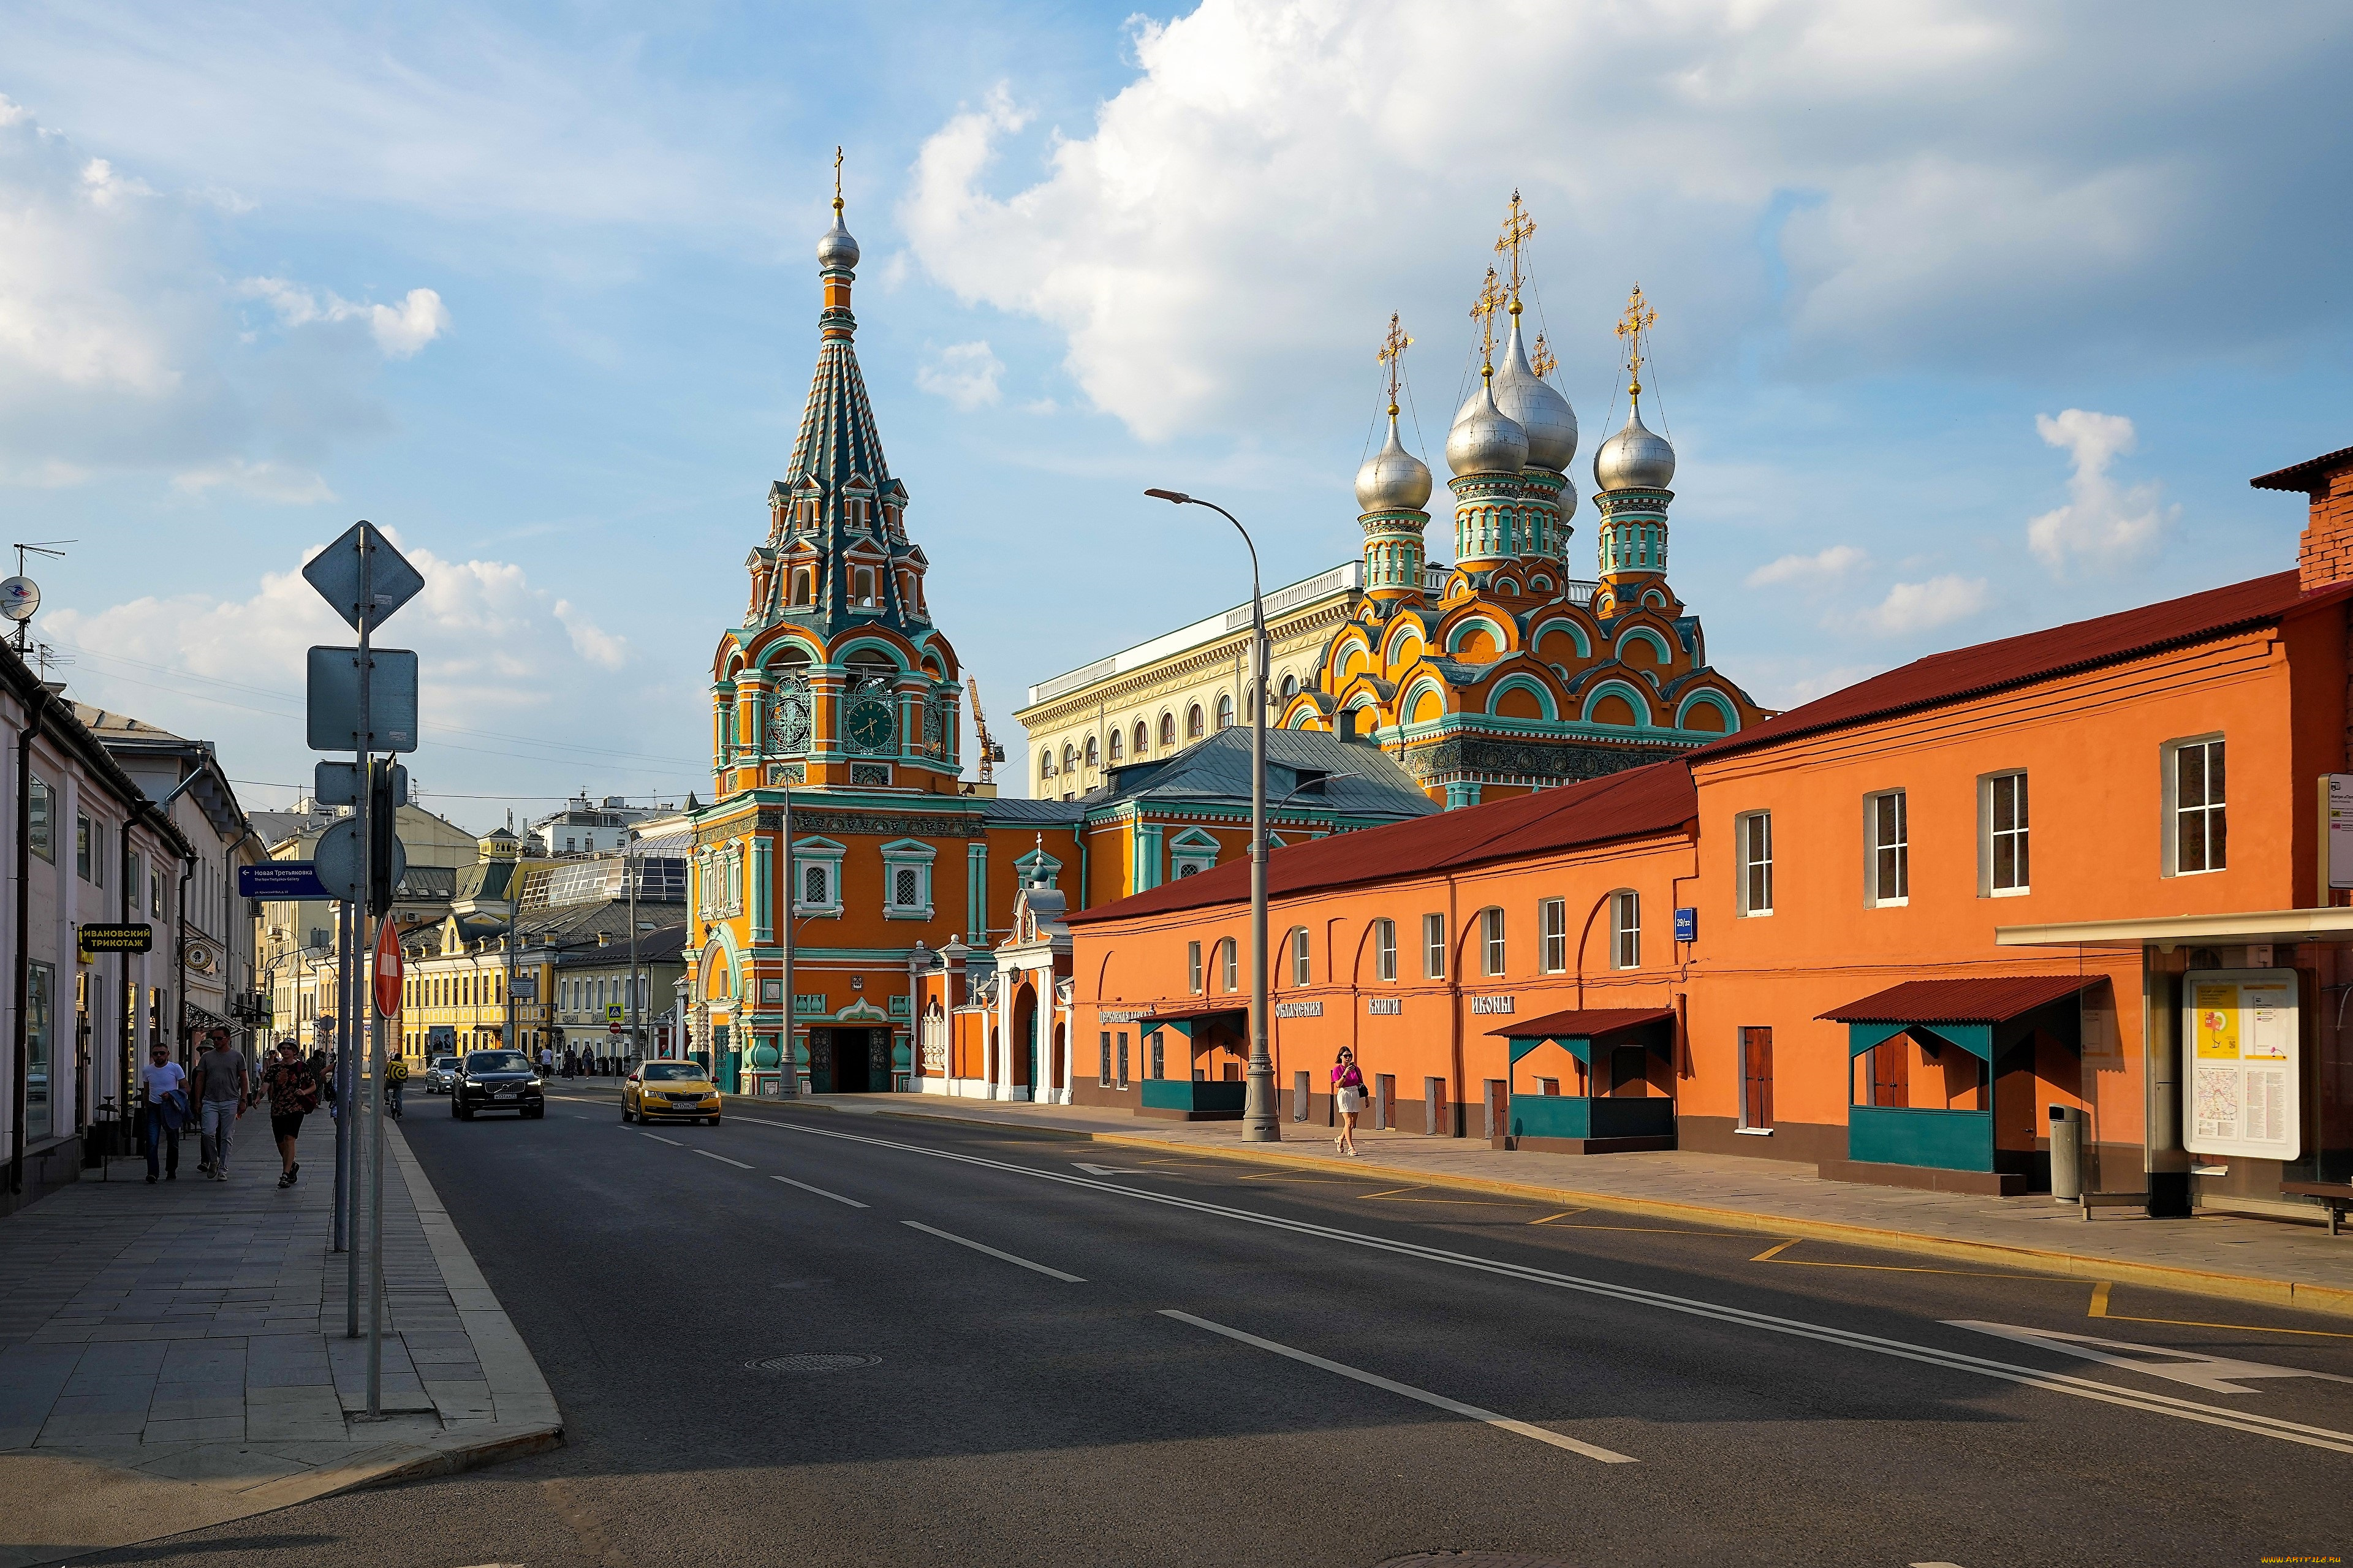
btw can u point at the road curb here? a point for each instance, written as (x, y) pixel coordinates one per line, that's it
(2331, 1300)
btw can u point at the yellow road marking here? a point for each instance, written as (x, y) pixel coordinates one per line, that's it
(2099, 1309)
(1562, 1214)
(1771, 1252)
(1771, 1255)
(1475, 1202)
(1389, 1192)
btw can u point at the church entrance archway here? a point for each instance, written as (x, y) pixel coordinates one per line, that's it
(1025, 1038)
(850, 1061)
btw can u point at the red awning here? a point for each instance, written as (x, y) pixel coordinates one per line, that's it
(1987, 999)
(1585, 1022)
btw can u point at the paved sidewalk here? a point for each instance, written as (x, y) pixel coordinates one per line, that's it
(2217, 1254)
(172, 1356)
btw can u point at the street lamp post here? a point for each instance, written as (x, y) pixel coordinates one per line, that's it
(1259, 1123)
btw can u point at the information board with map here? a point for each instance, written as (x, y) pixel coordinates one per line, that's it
(2240, 1058)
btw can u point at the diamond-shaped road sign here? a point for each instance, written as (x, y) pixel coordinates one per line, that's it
(335, 572)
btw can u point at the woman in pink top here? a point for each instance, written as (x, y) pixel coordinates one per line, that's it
(1348, 1098)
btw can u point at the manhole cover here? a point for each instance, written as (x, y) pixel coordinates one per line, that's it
(814, 1360)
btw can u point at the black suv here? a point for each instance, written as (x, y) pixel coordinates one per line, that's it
(496, 1080)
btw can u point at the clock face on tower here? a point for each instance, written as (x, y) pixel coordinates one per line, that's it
(871, 726)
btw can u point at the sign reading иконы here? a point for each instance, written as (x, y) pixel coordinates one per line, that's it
(1493, 1003)
(2239, 1030)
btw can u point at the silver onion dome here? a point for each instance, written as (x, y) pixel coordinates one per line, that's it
(1485, 439)
(1537, 407)
(1392, 480)
(837, 248)
(1635, 458)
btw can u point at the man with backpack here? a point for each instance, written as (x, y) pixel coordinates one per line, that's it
(293, 1090)
(396, 1079)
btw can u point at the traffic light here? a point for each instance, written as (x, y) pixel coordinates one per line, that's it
(387, 790)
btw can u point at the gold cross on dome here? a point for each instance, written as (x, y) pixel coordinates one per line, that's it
(1632, 328)
(1543, 363)
(1517, 227)
(836, 179)
(1491, 298)
(1392, 354)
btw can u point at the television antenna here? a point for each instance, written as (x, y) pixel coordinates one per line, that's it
(20, 596)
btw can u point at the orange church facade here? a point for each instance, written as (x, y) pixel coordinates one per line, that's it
(1892, 933)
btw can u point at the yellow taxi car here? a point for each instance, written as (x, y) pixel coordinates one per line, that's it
(674, 1090)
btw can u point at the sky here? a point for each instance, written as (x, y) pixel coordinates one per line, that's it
(1972, 320)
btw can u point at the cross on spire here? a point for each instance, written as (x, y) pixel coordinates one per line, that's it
(1517, 227)
(1491, 298)
(1392, 354)
(836, 180)
(1633, 327)
(1543, 364)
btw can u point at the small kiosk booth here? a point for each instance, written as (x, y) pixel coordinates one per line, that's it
(1193, 1062)
(1617, 1064)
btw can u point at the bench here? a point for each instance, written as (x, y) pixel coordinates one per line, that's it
(2111, 1201)
(2335, 1197)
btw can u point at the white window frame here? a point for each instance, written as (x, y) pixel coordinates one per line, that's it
(1433, 946)
(1988, 789)
(1899, 847)
(1752, 833)
(1625, 928)
(1193, 973)
(1384, 955)
(1492, 950)
(1552, 932)
(2213, 810)
(1230, 963)
(817, 854)
(1302, 957)
(905, 855)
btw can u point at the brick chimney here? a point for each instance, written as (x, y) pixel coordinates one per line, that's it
(2324, 554)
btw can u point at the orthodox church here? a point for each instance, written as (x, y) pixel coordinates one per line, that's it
(1502, 673)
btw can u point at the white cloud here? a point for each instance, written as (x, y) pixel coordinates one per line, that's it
(399, 330)
(1914, 184)
(493, 652)
(1923, 606)
(262, 480)
(1835, 562)
(964, 373)
(2103, 525)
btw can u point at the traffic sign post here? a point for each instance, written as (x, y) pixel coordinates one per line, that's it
(363, 699)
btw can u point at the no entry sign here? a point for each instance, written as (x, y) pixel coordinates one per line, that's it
(387, 968)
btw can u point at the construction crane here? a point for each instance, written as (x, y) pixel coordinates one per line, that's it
(991, 753)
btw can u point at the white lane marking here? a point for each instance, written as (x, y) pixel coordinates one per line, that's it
(1113, 1170)
(1525, 1429)
(1936, 1565)
(821, 1192)
(980, 1246)
(721, 1158)
(1952, 1360)
(660, 1139)
(2215, 1374)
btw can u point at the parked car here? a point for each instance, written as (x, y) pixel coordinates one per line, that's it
(676, 1089)
(496, 1080)
(440, 1074)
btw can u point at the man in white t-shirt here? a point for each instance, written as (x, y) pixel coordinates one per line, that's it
(163, 1089)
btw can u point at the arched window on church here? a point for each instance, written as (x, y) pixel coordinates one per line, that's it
(1070, 759)
(864, 590)
(804, 588)
(1168, 729)
(1225, 712)
(1118, 745)
(1193, 722)
(1143, 738)
(1094, 758)
(1046, 763)
(1290, 687)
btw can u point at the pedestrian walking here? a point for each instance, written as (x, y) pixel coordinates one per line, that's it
(223, 1088)
(396, 1079)
(195, 1077)
(164, 1084)
(293, 1089)
(1348, 1098)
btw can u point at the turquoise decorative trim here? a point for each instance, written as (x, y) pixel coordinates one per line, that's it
(1646, 634)
(1636, 696)
(1185, 1094)
(1579, 1116)
(1524, 682)
(1584, 643)
(1975, 1038)
(1715, 699)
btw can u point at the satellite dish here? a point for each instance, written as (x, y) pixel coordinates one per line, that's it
(19, 597)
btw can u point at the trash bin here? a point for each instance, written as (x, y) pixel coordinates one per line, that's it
(2067, 1125)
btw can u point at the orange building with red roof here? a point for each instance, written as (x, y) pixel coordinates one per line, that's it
(1895, 933)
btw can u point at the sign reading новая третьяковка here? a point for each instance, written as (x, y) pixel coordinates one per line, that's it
(2239, 1029)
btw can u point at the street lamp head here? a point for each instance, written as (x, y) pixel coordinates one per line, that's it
(1177, 496)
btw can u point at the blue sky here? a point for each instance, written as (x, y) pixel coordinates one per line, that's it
(1970, 321)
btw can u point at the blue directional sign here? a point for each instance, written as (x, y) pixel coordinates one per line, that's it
(280, 880)
(1686, 925)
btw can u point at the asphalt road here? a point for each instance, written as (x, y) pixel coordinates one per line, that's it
(1185, 1360)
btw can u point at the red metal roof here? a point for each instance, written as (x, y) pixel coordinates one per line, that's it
(1987, 999)
(2307, 476)
(1656, 799)
(1585, 1022)
(2014, 661)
